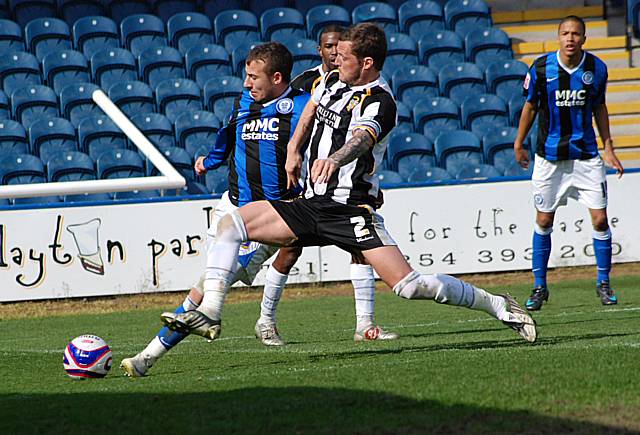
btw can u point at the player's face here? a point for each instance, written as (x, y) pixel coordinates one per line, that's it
(328, 49)
(349, 66)
(258, 82)
(571, 38)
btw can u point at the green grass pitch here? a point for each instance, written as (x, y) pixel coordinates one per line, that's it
(453, 371)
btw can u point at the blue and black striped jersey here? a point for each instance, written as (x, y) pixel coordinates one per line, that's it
(255, 144)
(565, 99)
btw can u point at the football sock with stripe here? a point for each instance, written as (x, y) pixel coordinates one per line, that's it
(541, 253)
(602, 250)
(363, 282)
(273, 286)
(166, 338)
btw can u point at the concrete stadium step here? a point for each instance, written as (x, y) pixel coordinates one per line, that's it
(523, 16)
(615, 59)
(610, 43)
(631, 141)
(628, 75)
(625, 108)
(520, 5)
(623, 125)
(545, 32)
(618, 92)
(629, 158)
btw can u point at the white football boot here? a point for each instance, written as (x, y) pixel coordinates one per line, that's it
(136, 366)
(372, 333)
(519, 320)
(268, 334)
(192, 322)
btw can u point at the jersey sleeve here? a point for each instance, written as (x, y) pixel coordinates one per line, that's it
(318, 91)
(299, 82)
(219, 152)
(377, 115)
(529, 86)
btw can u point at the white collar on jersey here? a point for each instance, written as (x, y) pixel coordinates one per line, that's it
(284, 94)
(566, 68)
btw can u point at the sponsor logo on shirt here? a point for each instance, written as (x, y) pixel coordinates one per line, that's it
(570, 98)
(328, 117)
(261, 129)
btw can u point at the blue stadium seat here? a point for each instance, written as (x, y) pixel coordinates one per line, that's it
(206, 61)
(73, 10)
(481, 127)
(319, 17)
(436, 113)
(18, 70)
(32, 103)
(5, 112)
(401, 52)
(633, 16)
(516, 103)
(119, 164)
(65, 67)
(410, 151)
(11, 39)
(234, 27)
(118, 10)
(97, 134)
(194, 129)
(39, 200)
(431, 175)
(93, 34)
(87, 197)
(13, 138)
(477, 172)
(26, 10)
(44, 36)
(21, 169)
(405, 123)
(179, 159)
(507, 74)
(458, 81)
(305, 6)
(388, 177)
(160, 63)
(212, 8)
(133, 97)
(137, 194)
(414, 82)
(376, 12)
(70, 166)
(217, 180)
(258, 7)
(440, 48)
(484, 46)
(304, 52)
(420, 17)
(76, 102)
(515, 170)
(188, 29)
(113, 65)
(141, 32)
(191, 188)
(497, 146)
(176, 96)
(157, 128)
(463, 16)
(239, 55)
(483, 108)
(50, 137)
(286, 22)
(218, 88)
(456, 149)
(222, 107)
(165, 9)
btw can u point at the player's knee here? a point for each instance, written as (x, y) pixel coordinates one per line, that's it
(231, 228)
(417, 286)
(600, 223)
(286, 259)
(544, 222)
(542, 231)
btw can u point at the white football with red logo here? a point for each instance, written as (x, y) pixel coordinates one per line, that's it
(87, 356)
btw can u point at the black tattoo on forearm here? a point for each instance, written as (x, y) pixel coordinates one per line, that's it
(359, 143)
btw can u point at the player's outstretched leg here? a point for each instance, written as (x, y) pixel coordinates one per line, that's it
(539, 260)
(364, 288)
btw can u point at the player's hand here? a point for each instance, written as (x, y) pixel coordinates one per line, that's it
(522, 156)
(293, 166)
(199, 166)
(322, 170)
(610, 158)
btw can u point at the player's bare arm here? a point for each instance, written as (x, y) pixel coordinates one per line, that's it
(360, 142)
(601, 115)
(526, 121)
(300, 136)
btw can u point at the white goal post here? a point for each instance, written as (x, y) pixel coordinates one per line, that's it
(169, 178)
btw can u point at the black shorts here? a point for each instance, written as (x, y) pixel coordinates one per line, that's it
(319, 221)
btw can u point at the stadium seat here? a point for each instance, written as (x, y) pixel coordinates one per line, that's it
(376, 12)
(223, 106)
(13, 138)
(11, 39)
(436, 113)
(484, 46)
(633, 16)
(32, 103)
(456, 149)
(141, 32)
(463, 16)
(194, 129)
(73, 10)
(70, 166)
(477, 171)
(304, 52)
(19, 70)
(5, 112)
(516, 103)
(50, 137)
(458, 81)
(282, 23)
(409, 152)
(188, 29)
(414, 82)
(118, 10)
(420, 17)
(133, 97)
(258, 7)
(157, 128)
(65, 67)
(160, 63)
(38, 200)
(97, 134)
(21, 169)
(206, 61)
(176, 96)
(239, 55)
(212, 8)
(515, 170)
(87, 197)
(166, 9)
(191, 188)
(44, 36)
(405, 124)
(113, 65)
(431, 175)
(440, 48)
(387, 178)
(179, 159)
(76, 102)
(234, 27)
(217, 180)
(119, 164)
(505, 77)
(321, 16)
(497, 147)
(481, 127)
(137, 194)
(26, 10)
(218, 88)
(483, 108)
(401, 52)
(93, 34)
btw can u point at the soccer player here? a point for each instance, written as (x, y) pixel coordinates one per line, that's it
(566, 88)
(349, 115)
(328, 51)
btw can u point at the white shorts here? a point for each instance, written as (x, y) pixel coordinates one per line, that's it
(555, 182)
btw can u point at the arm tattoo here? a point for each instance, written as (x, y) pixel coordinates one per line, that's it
(359, 143)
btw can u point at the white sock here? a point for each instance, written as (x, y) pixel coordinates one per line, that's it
(188, 304)
(273, 286)
(154, 350)
(364, 291)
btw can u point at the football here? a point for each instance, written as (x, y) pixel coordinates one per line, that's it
(87, 356)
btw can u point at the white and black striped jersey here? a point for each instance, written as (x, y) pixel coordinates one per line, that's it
(343, 109)
(308, 80)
